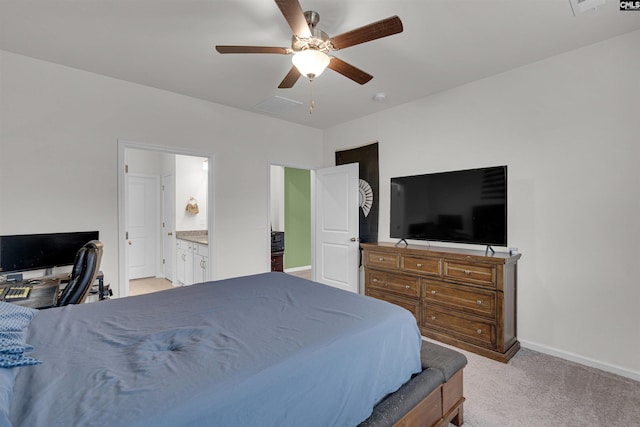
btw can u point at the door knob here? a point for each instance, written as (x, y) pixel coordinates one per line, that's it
(129, 242)
(355, 239)
(170, 233)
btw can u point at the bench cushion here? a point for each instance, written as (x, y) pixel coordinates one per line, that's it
(445, 360)
(438, 365)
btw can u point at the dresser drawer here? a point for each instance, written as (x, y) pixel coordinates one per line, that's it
(183, 245)
(387, 282)
(381, 260)
(422, 265)
(413, 305)
(460, 297)
(457, 325)
(484, 275)
(277, 262)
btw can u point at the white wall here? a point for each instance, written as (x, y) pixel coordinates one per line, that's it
(146, 162)
(59, 132)
(277, 198)
(567, 129)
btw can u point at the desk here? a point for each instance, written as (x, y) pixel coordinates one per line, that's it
(42, 294)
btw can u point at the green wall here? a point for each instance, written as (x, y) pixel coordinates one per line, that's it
(297, 218)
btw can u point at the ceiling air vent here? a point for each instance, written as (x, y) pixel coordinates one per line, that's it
(277, 105)
(580, 6)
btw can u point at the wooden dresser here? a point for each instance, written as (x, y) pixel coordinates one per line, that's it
(277, 261)
(461, 297)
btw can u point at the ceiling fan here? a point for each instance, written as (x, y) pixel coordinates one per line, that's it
(310, 45)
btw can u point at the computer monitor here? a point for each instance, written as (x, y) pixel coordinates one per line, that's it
(26, 252)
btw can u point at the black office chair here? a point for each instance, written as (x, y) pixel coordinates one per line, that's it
(84, 273)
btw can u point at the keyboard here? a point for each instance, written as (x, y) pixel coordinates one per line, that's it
(15, 293)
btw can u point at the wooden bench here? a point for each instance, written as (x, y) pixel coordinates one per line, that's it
(434, 397)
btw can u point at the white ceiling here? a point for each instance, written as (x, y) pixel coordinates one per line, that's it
(169, 44)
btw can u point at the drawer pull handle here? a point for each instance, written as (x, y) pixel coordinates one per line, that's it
(380, 259)
(419, 265)
(375, 280)
(433, 317)
(433, 292)
(408, 287)
(467, 272)
(479, 302)
(479, 331)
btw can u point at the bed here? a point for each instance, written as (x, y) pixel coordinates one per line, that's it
(269, 349)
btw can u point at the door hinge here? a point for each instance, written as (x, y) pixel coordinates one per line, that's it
(126, 235)
(126, 168)
(162, 260)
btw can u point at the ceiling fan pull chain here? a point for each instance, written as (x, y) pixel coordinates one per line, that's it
(312, 103)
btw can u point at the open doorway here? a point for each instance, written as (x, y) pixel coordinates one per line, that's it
(290, 219)
(165, 206)
(329, 209)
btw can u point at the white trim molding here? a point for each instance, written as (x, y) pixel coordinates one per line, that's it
(294, 269)
(587, 361)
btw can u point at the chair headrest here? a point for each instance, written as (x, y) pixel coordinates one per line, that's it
(83, 274)
(94, 244)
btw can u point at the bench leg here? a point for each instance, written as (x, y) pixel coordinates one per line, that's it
(458, 419)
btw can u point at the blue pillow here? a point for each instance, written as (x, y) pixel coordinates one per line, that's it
(13, 343)
(16, 360)
(14, 317)
(14, 320)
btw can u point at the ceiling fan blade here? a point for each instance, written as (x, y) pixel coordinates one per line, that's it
(292, 12)
(376, 30)
(349, 71)
(253, 49)
(290, 79)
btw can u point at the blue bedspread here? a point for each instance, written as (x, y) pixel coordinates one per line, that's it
(263, 350)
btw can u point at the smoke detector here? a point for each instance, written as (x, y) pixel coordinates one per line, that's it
(379, 97)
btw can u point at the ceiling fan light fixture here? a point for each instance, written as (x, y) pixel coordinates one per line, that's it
(311, 63)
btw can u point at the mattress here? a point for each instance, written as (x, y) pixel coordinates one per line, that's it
(269, 350)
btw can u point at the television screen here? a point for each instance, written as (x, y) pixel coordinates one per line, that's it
(467, 206)
(41, 251)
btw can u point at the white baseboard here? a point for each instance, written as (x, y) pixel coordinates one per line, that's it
(587, 361)
(304, 267)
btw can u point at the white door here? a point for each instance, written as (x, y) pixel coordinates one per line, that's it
(336, 247)
(142, 224)
(168, 226)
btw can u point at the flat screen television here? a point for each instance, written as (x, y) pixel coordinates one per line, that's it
(466, 206)
(27, 252)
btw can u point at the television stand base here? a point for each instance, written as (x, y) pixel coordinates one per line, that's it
(400, 241)
(489, 248)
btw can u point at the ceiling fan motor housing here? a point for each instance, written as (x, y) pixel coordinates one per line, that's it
(312, 18)
(319, 40)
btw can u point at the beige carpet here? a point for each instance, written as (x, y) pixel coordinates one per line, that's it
(148, 285)
(305, 274)
(538, 390)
